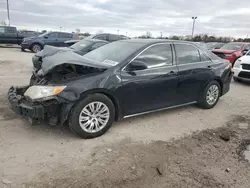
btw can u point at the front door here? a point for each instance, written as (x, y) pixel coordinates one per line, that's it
(153, 86)
(195, 71)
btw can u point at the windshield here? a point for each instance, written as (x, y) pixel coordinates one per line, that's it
(114, 53)
(81, 45)
(232, 46)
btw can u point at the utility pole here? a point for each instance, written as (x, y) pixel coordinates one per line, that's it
(8, 11)
(194, 18)
(161, 35)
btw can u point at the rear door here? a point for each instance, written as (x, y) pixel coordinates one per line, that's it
(62, 37)
(155, 86)
(195, 70)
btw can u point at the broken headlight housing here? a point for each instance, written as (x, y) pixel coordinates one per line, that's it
(43, 92)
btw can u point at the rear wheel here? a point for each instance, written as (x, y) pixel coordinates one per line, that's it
(92, 116)
(211, 95)
(36, 48)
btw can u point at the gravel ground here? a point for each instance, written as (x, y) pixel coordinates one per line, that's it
(30, 154)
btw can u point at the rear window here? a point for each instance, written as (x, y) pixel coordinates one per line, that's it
(115, 52)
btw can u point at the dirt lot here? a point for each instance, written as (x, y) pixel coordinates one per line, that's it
(167, 149)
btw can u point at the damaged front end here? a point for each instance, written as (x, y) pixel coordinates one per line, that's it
(34, 112)
(51, 95)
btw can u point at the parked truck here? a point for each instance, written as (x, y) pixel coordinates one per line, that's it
(10, 35)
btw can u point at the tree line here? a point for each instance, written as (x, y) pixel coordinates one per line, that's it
(199, 38)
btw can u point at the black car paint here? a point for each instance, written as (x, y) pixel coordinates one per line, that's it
(37, 59)
(135, 92)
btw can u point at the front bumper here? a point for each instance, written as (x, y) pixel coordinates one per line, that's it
(33, 112)
(25, 45)
(241, 74)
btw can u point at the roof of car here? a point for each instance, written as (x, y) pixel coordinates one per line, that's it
(153, 41)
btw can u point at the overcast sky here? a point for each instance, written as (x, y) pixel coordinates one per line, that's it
(171, 17)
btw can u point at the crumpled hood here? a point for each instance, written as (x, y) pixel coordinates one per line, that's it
(60, 57)
(51, 50)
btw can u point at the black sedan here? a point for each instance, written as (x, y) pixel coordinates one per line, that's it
(120, 80)
(81, 47)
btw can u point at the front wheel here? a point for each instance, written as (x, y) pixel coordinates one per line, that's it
(210, 95)
(92, 116)
(36, 48)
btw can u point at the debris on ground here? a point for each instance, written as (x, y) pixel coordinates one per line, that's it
(194, 161)
(6, 181)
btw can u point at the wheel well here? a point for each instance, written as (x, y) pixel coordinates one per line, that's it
(221, 84)
(114, 102)
(36, 43)
(111, 97)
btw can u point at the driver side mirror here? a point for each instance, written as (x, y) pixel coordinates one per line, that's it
(137, 65)
(46, 36)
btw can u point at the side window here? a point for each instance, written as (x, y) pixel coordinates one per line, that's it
(52, 35)
(101, 37)
(2, 30)
(156, 56)
(114, 37)
(10, 29)
(97, 45)
(204, 57)
(64, 35)
(187, 54)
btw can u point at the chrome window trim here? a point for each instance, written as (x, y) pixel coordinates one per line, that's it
(170, 43)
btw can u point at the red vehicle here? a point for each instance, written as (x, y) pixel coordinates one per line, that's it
(232, 51)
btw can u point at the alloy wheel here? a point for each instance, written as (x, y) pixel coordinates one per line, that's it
(94, 117)
(212, 94)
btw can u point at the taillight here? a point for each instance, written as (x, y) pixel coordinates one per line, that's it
(78, 39)
(230, 65)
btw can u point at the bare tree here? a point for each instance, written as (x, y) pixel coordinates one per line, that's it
(148, 34)
(99, 31)
(78, 30)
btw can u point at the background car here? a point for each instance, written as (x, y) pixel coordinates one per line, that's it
(241, 68)
(108, 37)
(232, 51)
(36, 44)
(10, 35)
(213, 45)
(81, 47)
(120, 80)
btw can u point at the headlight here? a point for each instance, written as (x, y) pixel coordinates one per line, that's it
(43, 92)
(237, 63)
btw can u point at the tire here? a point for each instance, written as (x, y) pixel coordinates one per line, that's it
(236, 79)
(210, 103)
(22, 49)
(84, 129)
(36, 47)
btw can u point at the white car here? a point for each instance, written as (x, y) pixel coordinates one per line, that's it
(241, 68)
